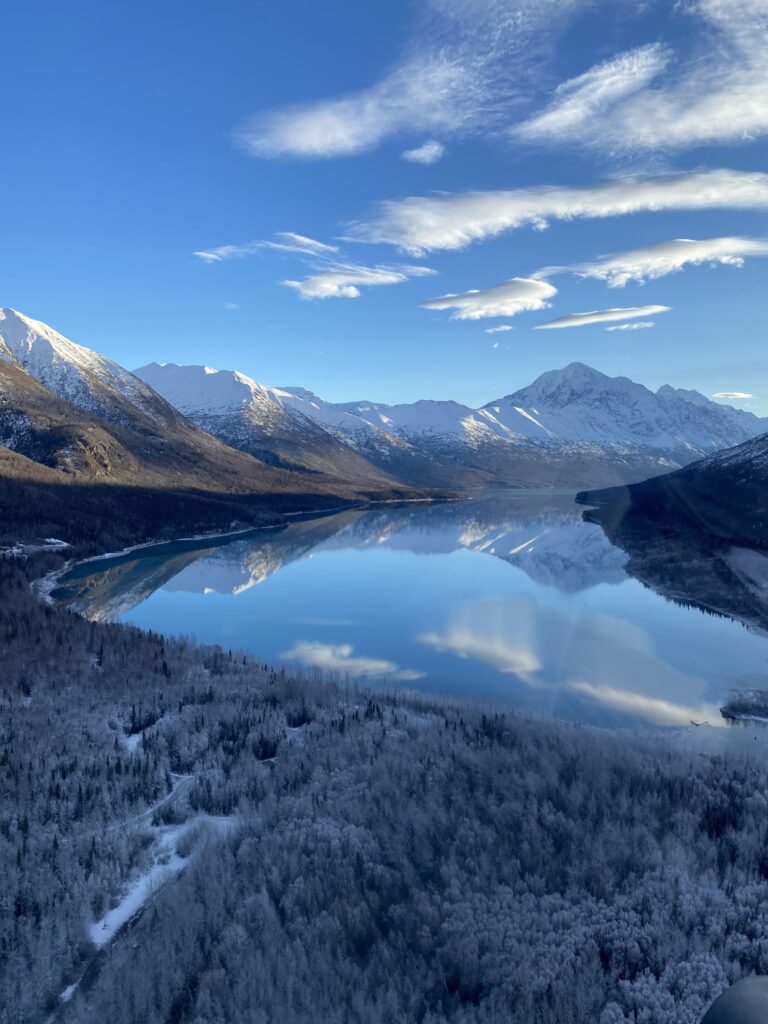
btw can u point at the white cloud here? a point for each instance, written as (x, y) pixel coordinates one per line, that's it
(601, 316)
(228, 252)
(714, 93)
(301, 243)
(639, 325)
(654, 261)
(497, 330)
(231, 306)
(518, 295)
(341, 658)
(332, 277)
(650, 709)
(343, 281)
(579, 100)
(418, 224)
(428, 153)
(733, 395)
(464, 71)
(502, 653)
(289, 242)
(429, 93)
(574, 652)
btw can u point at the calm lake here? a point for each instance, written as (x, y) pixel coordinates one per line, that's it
(511, 599)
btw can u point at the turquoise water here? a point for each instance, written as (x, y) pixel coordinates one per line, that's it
(511, 599)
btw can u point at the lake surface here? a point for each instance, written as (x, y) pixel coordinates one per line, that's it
(511, 599)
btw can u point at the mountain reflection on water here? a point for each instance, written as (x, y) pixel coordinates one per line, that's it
(510, 598)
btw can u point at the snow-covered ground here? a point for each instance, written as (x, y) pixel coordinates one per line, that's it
(22, 550)
(166, 863)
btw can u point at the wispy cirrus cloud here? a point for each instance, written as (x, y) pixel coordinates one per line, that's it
(733, 395)
(638, 325)
(428, 153)
(601, 316)
(420, 224)
(332, 276)
(462, 72)
(499, 329)
(713, 93)
(656, 261)
(344, 281)
(579, 100)
(341, 658)
(288, 241)
(434, 93)
(518, 295)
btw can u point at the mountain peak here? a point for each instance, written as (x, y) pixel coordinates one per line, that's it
(73, 372)
(572, 384)
(198, 389)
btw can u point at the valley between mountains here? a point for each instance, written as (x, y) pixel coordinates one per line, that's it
(198, 801)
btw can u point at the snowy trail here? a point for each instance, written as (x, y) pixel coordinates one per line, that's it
(181, 784)
(166, 864)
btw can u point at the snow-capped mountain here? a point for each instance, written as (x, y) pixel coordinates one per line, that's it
(70, 409)
(270, 424)
(582, 405)
(78, 374)
(570, 427)
(577, 405)
(574, 427)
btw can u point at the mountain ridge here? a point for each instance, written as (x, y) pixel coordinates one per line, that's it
(722, 497)
(72, 410)
(571, 426)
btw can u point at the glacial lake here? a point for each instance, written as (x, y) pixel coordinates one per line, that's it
(510, 599)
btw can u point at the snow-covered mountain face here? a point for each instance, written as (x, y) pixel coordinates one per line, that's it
(203, 391)
(283, 428)
(568, 426)
(78, 374)
(68, 408)
(574, 406)
(578, 404)
(573, 427)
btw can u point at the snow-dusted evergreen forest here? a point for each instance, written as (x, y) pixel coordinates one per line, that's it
(187, 837)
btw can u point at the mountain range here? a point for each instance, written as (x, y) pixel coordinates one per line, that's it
(570, 427)
(66, 407)
(68, 411)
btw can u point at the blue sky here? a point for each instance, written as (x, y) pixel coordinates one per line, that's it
(138, 135)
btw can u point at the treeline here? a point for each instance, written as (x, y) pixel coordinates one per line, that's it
(394, 860)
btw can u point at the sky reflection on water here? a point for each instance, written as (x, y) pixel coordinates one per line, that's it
(511, 599)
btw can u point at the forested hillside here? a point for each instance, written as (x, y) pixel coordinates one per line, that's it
(304, 851)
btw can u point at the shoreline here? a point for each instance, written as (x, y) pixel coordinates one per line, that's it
(45, 585)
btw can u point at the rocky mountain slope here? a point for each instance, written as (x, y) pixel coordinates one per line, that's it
(698, 535)
(254, 419)
(69, 408)
(724, 497)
